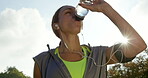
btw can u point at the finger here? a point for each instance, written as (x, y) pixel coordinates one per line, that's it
(100, 0)
(85, 6)
(97, 1)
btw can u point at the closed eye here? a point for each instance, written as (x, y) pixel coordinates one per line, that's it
(68, 12)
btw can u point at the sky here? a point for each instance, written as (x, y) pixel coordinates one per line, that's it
(25, 28)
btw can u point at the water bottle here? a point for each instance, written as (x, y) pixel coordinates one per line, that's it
(80, 11)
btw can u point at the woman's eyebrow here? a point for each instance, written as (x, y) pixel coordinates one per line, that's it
(68, 9)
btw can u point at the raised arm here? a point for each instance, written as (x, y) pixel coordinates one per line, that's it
(135, 43)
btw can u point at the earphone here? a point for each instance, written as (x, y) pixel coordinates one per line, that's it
(57, 26)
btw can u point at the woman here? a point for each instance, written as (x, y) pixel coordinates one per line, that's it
(71, 60)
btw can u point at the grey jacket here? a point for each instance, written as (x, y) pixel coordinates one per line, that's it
(51, 66)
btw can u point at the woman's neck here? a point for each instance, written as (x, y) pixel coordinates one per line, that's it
(70, 43)
(70, 49)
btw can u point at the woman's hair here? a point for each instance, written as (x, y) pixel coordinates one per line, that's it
(55, 19)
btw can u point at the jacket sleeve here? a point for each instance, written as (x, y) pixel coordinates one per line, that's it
(120, 55)
(41, 60)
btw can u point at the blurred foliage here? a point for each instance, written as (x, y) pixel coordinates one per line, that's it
(138, 68)
(12, 72)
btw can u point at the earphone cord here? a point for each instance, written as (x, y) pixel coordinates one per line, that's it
(111, 55)
(80, 53)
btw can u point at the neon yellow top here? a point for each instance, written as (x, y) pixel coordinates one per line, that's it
(77, 68)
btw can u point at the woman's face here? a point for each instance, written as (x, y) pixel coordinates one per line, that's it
(67, 22)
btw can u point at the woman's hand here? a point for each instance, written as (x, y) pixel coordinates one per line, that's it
(96, 6)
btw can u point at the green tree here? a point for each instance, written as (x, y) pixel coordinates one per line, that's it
(138, 68)
(12, 72)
